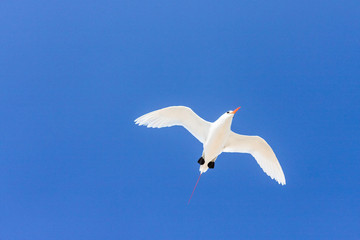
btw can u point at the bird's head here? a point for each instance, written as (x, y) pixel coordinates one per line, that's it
(231, 113)
(228, 116)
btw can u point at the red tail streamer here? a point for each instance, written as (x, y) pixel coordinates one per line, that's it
(194, 189)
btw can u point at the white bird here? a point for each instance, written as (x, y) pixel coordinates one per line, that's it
(216, 138)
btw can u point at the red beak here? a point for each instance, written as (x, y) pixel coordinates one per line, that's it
(233, 112)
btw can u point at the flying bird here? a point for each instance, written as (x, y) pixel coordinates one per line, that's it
(216, 138)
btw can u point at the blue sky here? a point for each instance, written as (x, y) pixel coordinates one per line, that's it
(75, 74)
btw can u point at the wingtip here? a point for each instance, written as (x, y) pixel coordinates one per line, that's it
(282, 182)
(138, 121)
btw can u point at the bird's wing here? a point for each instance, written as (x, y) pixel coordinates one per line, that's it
(177, 116)
(260, 150)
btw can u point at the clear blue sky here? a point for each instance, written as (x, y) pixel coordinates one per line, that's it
(75, 74)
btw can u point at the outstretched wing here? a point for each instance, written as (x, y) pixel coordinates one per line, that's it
(260, 150)
(177, 116)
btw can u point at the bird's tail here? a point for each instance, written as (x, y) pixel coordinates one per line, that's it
(203, 168)
(194, 188)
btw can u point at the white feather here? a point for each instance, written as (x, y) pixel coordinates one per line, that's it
(260, 150)
(177, 116)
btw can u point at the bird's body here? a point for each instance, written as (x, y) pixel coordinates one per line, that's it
(218, 135)
(216, 138)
